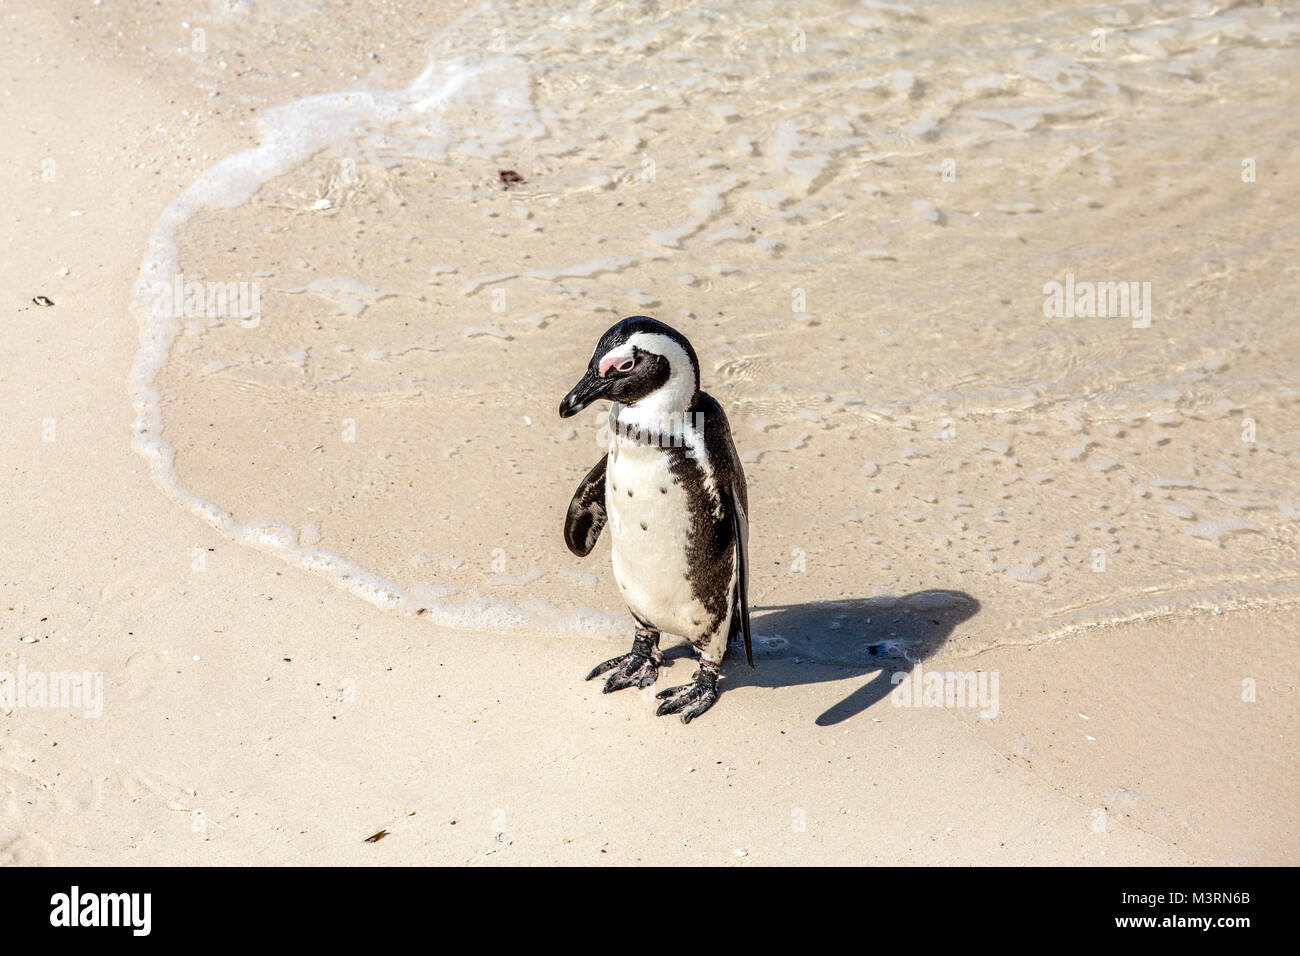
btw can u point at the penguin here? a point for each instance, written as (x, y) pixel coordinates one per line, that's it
(672, 489)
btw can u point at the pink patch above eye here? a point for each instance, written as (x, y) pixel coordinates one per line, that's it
(620, 363)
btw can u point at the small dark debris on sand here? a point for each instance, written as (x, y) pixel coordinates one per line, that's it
(509, 177)
(377, 837)
(44, 301)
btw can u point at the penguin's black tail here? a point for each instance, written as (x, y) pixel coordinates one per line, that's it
(740, 626)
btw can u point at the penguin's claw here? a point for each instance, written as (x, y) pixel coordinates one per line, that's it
(607, 665)
(633, 670)
(691, 700)
(639, 667)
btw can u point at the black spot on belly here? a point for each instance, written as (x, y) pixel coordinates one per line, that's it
(629, 492)
(643, 527)
(696, 623)
(663, 491)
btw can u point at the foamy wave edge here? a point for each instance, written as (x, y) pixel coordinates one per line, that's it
(1188, 604)
(290, 135)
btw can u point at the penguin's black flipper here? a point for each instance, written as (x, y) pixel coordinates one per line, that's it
(586, 517)
(740, 527)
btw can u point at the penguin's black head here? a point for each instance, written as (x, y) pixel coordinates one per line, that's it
(639, 360)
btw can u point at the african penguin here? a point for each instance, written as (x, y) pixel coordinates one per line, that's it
(673, 491)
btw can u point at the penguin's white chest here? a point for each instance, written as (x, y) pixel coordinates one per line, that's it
(650, 523)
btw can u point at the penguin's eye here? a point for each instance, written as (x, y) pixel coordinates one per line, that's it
(625, 365)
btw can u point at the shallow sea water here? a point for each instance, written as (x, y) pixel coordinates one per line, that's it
(853, 210)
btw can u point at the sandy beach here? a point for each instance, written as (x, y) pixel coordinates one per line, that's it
(302, 563)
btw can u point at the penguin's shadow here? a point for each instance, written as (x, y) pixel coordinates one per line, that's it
(847, 638)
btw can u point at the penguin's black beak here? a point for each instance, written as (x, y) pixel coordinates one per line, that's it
(591, 388)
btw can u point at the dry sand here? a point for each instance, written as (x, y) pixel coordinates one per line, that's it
(254, 713)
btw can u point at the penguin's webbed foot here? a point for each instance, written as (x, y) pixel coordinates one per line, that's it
(691, 700)
(639, 667)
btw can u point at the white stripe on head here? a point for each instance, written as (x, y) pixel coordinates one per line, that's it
(673, 395)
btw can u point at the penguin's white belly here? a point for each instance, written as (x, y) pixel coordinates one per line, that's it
(650, 524)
